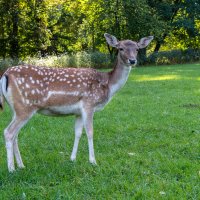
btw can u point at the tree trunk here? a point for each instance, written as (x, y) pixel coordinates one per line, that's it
(159, 43)
(157, 47)
(142, 56)
(14, 44)
(2, 42)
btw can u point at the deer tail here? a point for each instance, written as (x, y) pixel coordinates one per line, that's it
(3, 89)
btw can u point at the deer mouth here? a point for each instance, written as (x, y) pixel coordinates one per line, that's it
(128, 64)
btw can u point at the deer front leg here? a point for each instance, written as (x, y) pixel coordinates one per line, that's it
(17, 153)
(88, 124)
(78, 133)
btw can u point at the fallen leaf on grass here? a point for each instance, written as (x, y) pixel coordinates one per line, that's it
(162, 193)
(131, 154)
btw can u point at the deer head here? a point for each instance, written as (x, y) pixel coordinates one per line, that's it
(128, 49)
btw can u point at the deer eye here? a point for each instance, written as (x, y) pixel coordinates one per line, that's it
(121, 49)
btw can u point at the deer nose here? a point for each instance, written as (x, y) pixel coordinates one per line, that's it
(132, 61)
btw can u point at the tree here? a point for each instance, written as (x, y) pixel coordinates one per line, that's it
(41, 34)
(9, 28)
(179, 17)
(33, 27)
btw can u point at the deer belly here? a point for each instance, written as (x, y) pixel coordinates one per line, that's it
(62, 110)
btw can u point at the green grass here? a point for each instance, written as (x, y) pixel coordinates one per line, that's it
(147, 145)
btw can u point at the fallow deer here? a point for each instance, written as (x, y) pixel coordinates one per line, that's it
(63, 91)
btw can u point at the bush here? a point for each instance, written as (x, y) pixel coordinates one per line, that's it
(101, 60)
(174, 57)
(80, 59)
(8, 62)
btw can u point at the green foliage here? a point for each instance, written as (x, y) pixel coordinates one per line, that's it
(45, 27)
(146, 143)
(180, 20)
(174, 57)
(8, 62)
(101, 60)
(80, 59)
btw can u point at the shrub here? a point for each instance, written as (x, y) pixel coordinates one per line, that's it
(101, 60)
(80, 59)
(8, 62)
(174, 57)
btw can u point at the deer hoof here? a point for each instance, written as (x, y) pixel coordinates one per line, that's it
(93, 162)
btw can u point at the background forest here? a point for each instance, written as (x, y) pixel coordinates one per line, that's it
(40, 28)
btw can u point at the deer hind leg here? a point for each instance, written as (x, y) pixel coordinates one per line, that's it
(88, 125)
(10, 134)
(78, 133)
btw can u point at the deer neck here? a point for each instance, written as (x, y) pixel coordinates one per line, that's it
(118, 76)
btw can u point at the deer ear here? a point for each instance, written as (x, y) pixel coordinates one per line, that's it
(144, 42)
(111, 40)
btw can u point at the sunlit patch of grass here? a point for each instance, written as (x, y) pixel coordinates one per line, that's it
(198, 79)
(146, 143)
(157, 78)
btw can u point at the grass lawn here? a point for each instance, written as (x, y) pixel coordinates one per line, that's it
(147, 145)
